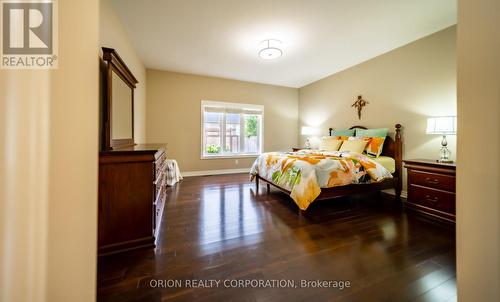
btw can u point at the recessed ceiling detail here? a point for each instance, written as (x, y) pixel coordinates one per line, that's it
(222, 38)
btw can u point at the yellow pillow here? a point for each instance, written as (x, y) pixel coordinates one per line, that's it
(354, 146)
(330, 144)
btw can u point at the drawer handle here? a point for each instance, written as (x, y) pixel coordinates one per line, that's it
(432, 199)
(432, 181)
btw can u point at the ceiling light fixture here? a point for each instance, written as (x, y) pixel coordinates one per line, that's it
(271, 49)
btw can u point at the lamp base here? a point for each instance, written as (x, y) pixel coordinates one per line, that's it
(444, 161)
(307, 144)
(445, 153)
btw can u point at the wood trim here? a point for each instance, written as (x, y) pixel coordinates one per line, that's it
(136, 153)
(398, 157)
(111, 56)
(117, 65)
(355, 189)
(117, 143)
(327, 193)
(358, 127)
(436, 214)
(130, 158)
(330, 193)
(259, 178)
(429, 169)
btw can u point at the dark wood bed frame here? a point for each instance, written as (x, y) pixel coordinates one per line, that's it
(392, 148)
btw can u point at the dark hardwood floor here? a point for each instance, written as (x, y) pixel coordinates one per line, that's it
(216, 228)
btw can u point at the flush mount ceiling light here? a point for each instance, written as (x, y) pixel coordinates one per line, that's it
(270, 49)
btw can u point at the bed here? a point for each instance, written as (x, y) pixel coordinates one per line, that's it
(390, 159)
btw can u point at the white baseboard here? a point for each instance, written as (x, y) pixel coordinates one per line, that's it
(214, 172)
(404, 194)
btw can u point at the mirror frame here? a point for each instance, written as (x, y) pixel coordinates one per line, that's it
(115, 64)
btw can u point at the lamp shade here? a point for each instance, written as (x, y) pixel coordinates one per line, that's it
(442, 125)
(309, 131)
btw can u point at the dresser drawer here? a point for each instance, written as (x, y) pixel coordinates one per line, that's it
(432, 180)
(431, 198)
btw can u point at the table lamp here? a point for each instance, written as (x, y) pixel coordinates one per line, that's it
(443, 125)
(309, 131)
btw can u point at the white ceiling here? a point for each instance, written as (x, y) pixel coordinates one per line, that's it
(320, 37)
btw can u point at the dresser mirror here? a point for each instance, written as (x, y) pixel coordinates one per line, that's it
(121, 111)
(118, 117)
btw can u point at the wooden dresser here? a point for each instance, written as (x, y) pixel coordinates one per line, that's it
(431, 188)
(132, 195)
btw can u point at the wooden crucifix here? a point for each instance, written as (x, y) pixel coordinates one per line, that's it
(359, 104)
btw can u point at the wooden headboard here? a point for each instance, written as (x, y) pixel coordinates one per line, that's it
(393, 147)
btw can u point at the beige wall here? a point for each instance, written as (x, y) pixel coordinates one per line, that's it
(25, 100)
(173, 115)
(113, 35)
(403, 86)
(478, 171)
(48, 174)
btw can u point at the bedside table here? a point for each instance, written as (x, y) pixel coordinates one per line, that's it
(431, 188)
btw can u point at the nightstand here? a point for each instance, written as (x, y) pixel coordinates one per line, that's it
(295, 149)
(431, 188)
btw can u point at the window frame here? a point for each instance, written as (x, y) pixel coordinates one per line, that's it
(206, 103)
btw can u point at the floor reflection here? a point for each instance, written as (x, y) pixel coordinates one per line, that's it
(227, 212)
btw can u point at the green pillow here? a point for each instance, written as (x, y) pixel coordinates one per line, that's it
(346, 132)
(379, 132)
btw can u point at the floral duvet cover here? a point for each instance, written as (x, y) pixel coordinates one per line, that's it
(305, 172)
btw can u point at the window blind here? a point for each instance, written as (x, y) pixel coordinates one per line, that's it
(232, 110)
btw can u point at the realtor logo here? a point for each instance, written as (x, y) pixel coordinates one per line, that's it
(29, 34)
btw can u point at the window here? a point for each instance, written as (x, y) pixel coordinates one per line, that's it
(231, 129)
